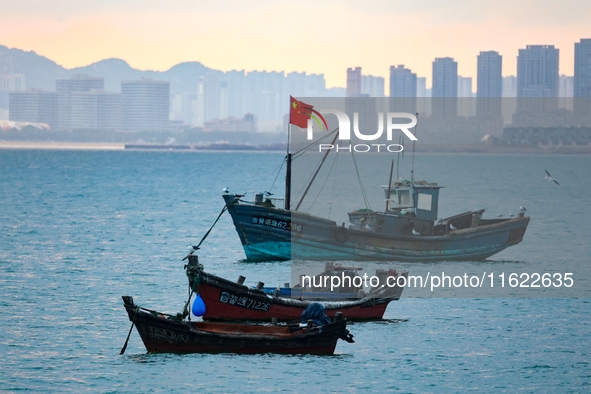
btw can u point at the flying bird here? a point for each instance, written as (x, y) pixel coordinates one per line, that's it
(522, 208)
(415, 232)
(548, 177)
(452, 227)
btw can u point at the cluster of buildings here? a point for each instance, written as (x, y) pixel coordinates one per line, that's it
(82, 103)
(241, 101)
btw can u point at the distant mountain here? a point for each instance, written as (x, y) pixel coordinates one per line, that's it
(41, 72)
(182, 77)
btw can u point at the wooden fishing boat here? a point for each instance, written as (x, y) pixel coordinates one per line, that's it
(171, 334)
(228, 300)
(408, 230)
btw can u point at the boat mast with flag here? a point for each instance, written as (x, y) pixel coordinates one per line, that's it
(407, 229)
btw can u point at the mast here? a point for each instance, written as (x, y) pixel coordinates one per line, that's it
(412, 171)
(288, 173)
(389, 185)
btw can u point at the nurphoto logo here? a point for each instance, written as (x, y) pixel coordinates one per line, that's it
(302, 115)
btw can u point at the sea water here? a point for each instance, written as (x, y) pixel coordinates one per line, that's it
(79, 229)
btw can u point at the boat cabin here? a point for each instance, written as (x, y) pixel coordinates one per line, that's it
(419, 200)
(411, 208)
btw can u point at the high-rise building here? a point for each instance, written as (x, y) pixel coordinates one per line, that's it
(489, 75)
(235, 90)
(537, 71)
(510, 86)
(145, 105)
(466, 103)
(95, 110)
(372, 86)
(445, 77)
(445, 88)
(12, 82)
(354, 82)
(403, 82)
(464, 86)
(34, 106)
(422, 90)
(582, 78)
(65, 88)
(565, 86)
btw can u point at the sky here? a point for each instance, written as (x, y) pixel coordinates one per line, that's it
(299, 35)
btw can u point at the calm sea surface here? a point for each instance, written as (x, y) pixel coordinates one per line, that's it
(80, 229)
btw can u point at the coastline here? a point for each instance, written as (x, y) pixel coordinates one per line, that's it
(61, 145)
(421, 148)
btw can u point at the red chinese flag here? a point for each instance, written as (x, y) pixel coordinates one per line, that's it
(299, 113)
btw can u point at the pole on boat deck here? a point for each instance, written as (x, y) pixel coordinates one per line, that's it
(288, 171)
(390, 185)
(412, 172)
(288, 182)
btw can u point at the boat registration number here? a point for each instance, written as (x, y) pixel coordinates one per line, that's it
(285, 225)
(244, 302)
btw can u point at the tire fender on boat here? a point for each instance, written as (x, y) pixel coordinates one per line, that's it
(341, 234)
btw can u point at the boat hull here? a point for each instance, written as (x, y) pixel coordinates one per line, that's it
(161, 334)
(269, 233)
(226, 300)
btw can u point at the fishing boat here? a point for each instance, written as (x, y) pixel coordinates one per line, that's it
(408, 229)
(227, 300)
(171, 334)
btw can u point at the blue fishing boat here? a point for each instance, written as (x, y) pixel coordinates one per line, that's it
(408, 230)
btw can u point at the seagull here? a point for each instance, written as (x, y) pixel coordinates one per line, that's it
(510, 214)
(500, 215)
(452, 227)
(226, 190)
(522, 208)
(548, 177)
(415, 232)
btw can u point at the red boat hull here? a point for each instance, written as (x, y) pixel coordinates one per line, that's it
(225, 300)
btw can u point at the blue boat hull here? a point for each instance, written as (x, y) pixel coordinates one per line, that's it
(269, 233)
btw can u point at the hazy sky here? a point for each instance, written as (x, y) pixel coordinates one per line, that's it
(297, 35)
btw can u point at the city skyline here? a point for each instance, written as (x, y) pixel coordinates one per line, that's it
(221, 36)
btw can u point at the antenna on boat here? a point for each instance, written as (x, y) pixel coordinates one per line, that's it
(412, 171)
